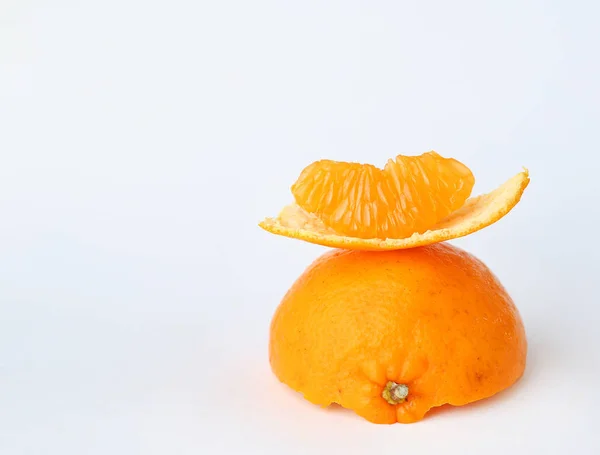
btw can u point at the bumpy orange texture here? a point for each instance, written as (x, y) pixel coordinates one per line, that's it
(433, 318)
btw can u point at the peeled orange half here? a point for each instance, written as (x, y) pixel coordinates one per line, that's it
(412, 201)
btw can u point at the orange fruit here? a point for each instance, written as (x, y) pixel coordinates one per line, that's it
(309, 224)
(408, 195)
(393, 334)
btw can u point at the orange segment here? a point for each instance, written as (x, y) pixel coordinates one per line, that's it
(477, 213)
(411, 194)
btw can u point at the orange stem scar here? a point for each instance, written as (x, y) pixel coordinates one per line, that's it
(394, 393)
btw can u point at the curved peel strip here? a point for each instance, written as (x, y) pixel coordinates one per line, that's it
(477, 213)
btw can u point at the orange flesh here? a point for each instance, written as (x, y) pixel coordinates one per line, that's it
(410, 194)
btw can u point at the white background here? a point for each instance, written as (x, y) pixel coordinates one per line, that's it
(142, 141)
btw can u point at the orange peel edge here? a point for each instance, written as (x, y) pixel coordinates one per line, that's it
(477, 213)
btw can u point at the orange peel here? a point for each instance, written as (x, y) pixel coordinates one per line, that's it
(477, 213)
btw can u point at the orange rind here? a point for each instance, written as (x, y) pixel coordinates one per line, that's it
(476, 213)
(393, 334)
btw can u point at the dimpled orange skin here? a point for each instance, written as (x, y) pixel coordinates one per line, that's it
(433, 318)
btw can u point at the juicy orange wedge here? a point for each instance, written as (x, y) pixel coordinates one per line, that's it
(412, 201)
(410, 194)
